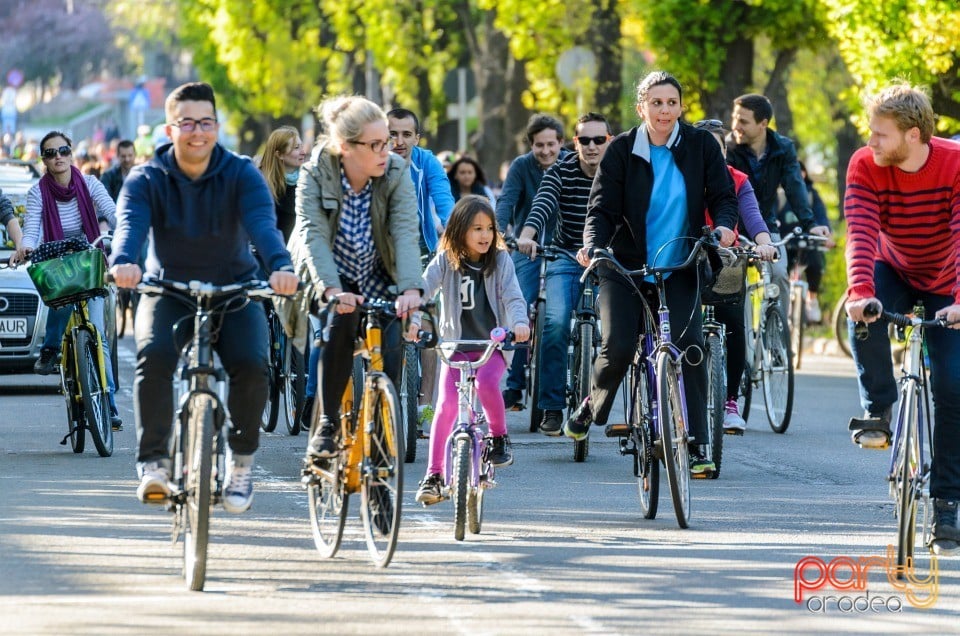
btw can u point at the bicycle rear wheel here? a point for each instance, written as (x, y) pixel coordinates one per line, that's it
(461, 484)
(475, 496)
(797, 320)
(716, 398)
(646, 466)
(293, 386)
(327, 498)
(906, 476)
(381, 485)
(271, 409)
(582, 372)
(840, 328)
(673, 437)
(96, 401)
(746, 391)
(777, 372)
(197, 465)
(410, 399)
(533, 367)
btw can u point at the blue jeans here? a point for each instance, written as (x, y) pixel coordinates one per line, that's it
(528, 275)
(563, 292)
(313, 361)
(57, 324)
(878, 388)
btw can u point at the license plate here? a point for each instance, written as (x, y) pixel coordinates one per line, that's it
(13, 327)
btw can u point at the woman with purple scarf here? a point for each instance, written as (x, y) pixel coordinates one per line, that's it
(67, 204)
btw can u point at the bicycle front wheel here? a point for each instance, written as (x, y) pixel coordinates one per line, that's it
(673, 437)
(293, 382)
(327, 499)
(646, 466)
(381, 485)
(840, 328)
(197, 464)
(74, 402)
(582, 371)
(271, 408)
(410, 399)
(797, 321)
(96, 402)
(777, 372)
(461, 485)
(906, 476)
(533, 367)
(716, 398)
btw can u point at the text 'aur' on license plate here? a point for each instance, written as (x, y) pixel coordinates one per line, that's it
(13, 327)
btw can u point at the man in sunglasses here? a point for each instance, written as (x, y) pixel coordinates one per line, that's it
(200, 205)
(562, 198)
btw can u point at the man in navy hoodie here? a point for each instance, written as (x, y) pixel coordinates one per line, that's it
(201, 205)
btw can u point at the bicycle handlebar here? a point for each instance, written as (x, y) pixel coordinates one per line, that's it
(200, 289)
(496, 341)
(547, 252)
(903, 320)
(600, 255)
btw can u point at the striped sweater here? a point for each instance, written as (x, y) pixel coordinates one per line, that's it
(911, 221)
(563, 193)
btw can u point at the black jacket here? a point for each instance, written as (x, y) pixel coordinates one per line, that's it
(112, 180)
(780, 168)
(620, 196)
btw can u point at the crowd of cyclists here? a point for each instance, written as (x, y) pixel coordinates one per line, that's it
(371, 214)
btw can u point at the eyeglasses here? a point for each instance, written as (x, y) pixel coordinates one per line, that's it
(188, 125)
(599, 140)
(708, 123)
(377, 145)
(50, 153)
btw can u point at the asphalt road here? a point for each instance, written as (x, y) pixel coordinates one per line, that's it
(564, 548)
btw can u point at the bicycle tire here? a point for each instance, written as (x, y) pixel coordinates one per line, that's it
(716, 399)
(197, 465)
(475, 509)
(294, 386)
(327, 498)
(120, 312)
(907, 465)
(381, 485)
(583, 366)
(746, 392)
(95, 396)
(533, 367)
(410, 400)
(74, 402)
(271, 408)
(646, 464)
(796, 325)
(840, 328)
(461, 484)
(673, 438)
(110, 328)
(777, 372)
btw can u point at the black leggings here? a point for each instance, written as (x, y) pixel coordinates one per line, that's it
(731, 316)
(621, 314)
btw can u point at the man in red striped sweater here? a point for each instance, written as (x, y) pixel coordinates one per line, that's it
(902, 205)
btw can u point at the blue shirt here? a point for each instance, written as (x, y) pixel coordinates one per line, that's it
(667, 218)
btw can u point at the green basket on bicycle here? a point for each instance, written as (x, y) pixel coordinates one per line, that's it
(69, 278)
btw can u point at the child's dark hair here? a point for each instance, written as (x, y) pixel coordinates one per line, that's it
(454, 239)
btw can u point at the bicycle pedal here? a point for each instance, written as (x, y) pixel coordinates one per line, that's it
(619, 429)
(706, 475)
(734, 431)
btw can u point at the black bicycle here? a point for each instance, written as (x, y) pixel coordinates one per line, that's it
(287, 378)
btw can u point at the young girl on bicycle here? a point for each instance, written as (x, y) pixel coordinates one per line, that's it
(479, 291)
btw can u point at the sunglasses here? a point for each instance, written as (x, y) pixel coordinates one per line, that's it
(598, 140)
(188, 125)
(50, 153)
(708, 123)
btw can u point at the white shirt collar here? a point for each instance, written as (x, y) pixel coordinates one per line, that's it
(641, 146)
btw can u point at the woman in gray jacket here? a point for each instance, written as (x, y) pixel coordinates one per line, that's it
(356, 236)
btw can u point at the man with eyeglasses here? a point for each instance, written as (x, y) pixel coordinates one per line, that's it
(198, 205)
(434, 204)
(562, 200)
(545, 136)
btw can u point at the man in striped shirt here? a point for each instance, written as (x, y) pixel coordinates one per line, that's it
(902, 205)
(563, 194)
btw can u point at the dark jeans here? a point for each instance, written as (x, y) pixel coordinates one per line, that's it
(814, 261)
(528, 275)
(621, 316)
(732, 317)
(878, 388)
(336, 359)
(242, 345)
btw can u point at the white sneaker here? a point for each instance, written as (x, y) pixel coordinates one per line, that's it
(733, 424)
(155, 486)
(812, 308)
(238, 489)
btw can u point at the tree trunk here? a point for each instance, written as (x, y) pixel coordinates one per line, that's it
(776, 92)
(736, 74)
(604, 40)
(848, 141)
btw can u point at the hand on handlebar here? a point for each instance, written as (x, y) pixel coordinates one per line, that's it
(284, 283)
(521, 333)
(857, 310)
(952, 315)
(527, 246)
(727, 237)
(766, 252)
(346, 302)
(583, 256)
(126, 275)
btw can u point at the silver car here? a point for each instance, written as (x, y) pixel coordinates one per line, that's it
(23, 316)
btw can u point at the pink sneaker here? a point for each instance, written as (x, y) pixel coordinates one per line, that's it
(733, 424)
